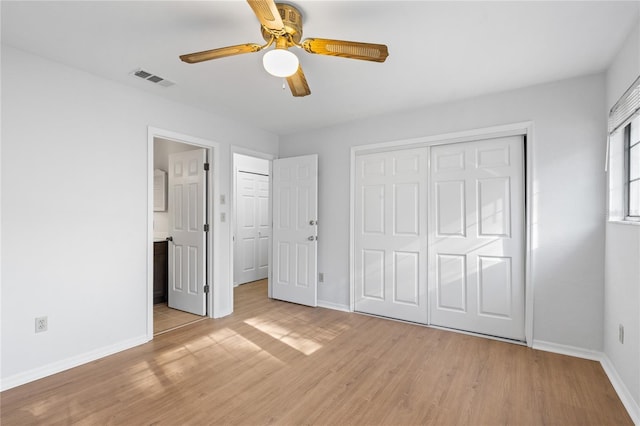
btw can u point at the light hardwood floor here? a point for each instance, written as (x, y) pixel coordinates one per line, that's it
(167, 319)
(278, 363)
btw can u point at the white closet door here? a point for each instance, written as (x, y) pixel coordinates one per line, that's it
(390, 234)
(253, 233)
(476, 238)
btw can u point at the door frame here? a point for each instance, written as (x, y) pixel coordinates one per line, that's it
(212, 238)
(232, 208)
(525, 129)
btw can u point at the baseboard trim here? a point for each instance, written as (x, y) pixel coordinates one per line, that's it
(66, 364)
(567, 350)
(621, 389)
(334, 306)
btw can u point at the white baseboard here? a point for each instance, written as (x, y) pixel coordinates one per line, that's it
(66, 364)
(621, 389)
(567, 350)
(334, 306)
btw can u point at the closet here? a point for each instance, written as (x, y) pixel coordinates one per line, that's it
(439, 235)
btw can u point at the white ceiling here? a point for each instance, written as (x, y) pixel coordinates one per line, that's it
(438, 51)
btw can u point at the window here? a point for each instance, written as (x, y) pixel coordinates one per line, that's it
(632, 166)
(624, 157)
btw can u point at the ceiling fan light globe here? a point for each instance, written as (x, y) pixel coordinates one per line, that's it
(280, 63)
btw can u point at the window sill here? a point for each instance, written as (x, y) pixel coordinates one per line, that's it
(624, 222)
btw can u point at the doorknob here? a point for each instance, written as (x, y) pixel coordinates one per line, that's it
(312, 238)
(169, 238)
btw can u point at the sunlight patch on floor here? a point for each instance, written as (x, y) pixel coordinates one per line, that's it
(286, 336)
(238, 346)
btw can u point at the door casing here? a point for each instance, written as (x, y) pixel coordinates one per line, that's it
(213, 263)
(525, 129)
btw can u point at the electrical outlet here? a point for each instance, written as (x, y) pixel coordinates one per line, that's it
(321, 277)
(621, 333)
(42, 323)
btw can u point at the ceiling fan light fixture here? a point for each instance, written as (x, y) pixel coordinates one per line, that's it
(280, 62)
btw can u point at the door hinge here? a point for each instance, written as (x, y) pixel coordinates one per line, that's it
(206, 227)
(206, 288)
(206, 167)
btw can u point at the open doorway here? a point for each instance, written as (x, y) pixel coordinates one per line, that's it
(251, 220)
(179, 241)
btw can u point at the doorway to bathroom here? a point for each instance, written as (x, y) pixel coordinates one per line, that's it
(180, 227)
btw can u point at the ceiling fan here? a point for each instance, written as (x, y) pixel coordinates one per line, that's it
(282, 26)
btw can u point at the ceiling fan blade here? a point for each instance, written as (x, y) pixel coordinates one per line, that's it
(346, 49)
(267, 14)
(222, 52)
(298, 84)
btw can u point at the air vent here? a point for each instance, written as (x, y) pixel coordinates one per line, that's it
(152, 78)
(143, 74)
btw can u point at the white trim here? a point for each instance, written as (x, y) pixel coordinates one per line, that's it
(352, 230)
(150, 191)
(624, 222)
(621, 389)
(333, 306)
(66, 364)
(219, 308)
(574, 351)
(515, 129)
(530, 237)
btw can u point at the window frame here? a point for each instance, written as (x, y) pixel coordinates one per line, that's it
(628, 146)
(624, 121)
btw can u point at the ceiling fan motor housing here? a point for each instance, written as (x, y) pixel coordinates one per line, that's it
(292, 20)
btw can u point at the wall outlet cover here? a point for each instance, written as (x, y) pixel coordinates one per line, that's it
(42, 324)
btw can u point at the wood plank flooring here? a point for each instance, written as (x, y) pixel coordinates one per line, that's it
(166, 319)
(278, 363)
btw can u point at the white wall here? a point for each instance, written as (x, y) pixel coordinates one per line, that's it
(568, 199)
(622, 261)
(74, 210)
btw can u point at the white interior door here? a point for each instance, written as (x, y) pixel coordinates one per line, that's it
(295, 214)
(187, 207)
(476, 238)
(390, 234)
(253, 231)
